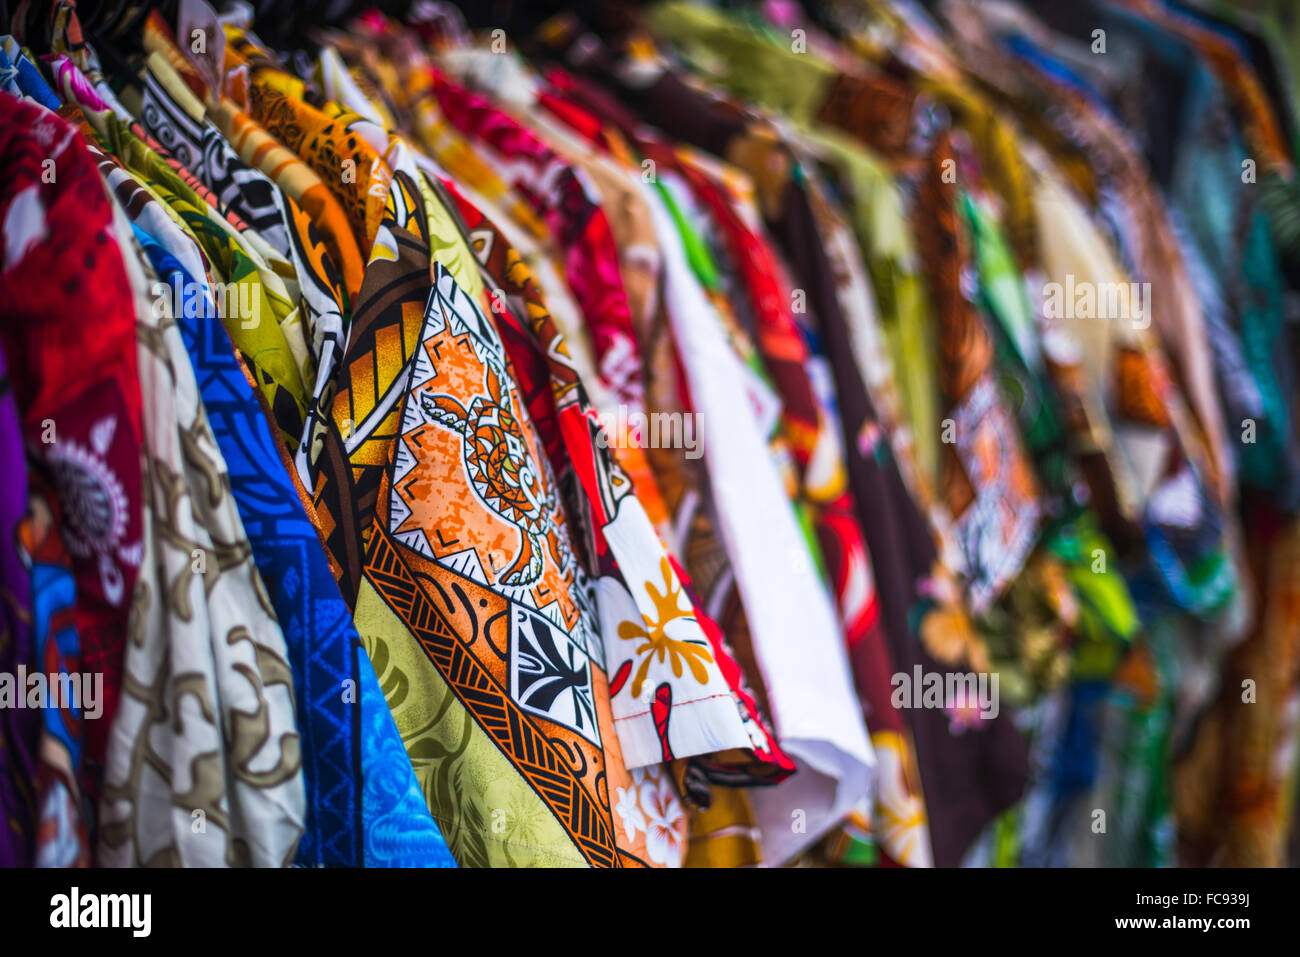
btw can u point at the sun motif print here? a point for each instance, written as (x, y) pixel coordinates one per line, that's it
(655, 641)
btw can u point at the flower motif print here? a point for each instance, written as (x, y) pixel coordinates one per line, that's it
(664, 815)
(656, 640)
(629, 813)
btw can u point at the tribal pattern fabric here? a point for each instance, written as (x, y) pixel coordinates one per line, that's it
(174, 117)
(689, 715)
(490, 554)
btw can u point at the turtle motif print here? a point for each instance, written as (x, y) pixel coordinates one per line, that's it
(503, 472)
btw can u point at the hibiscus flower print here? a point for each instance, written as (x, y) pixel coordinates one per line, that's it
(665, 831)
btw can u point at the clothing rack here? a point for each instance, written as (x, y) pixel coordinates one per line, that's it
(831, 271)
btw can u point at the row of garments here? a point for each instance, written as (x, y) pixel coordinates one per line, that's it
(844, 434)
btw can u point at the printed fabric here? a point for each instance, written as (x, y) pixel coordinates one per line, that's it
(79, 393)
